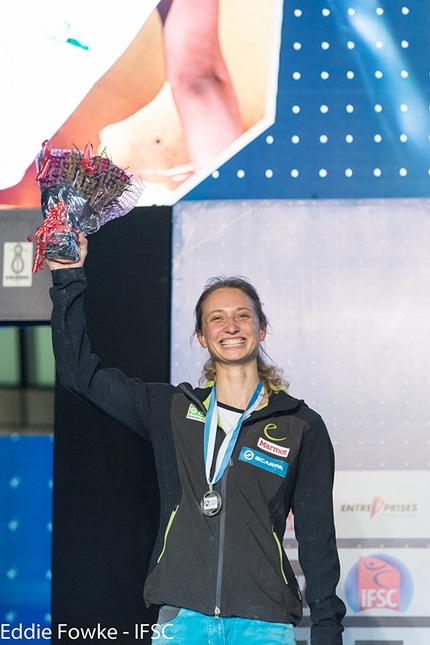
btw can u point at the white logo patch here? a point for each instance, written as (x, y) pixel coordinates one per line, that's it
(268, 446)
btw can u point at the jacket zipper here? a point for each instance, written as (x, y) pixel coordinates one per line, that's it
(217, 611)
(280, 551)
(166, 532)
(219, 575)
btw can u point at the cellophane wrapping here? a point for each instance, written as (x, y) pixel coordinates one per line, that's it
(80, 192)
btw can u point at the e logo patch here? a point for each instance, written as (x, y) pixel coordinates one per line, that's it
(270, 427)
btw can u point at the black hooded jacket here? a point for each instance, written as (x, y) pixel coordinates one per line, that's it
(233, 563)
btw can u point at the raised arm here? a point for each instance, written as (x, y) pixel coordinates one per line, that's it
(110, 390)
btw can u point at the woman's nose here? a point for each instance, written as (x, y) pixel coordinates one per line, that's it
(231, 325)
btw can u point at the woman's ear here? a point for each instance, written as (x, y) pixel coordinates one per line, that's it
(263, 332)
(201, 339)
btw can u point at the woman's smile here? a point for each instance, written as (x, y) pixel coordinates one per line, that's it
(232, 342)
(230, 323)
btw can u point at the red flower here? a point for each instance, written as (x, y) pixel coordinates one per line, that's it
(86, 162)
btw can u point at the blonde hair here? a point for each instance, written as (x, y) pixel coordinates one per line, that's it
(270, 374)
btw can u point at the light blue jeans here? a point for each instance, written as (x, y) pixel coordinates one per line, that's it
(192, 628)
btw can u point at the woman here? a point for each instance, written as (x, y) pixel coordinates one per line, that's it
(232, 459)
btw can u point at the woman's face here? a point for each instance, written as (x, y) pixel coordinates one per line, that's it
(230, 328)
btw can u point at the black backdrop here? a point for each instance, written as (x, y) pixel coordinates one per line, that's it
(105, 514)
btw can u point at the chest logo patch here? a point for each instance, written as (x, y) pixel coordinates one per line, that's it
(269, 428)
(260, 460)
(195, 414)
(268, 446)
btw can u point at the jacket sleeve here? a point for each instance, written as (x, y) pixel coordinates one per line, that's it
(315, 532)
(122, 398)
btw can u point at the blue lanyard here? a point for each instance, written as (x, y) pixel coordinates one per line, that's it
(229, 441)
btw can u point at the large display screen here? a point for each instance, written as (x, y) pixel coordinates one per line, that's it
(171, 89)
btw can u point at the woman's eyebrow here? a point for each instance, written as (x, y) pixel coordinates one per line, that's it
(214, 311)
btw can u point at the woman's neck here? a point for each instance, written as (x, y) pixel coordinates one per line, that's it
(236, 387)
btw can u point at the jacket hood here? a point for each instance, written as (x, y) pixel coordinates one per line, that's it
(279, 402)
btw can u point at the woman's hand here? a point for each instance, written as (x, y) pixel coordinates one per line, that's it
(83, 249)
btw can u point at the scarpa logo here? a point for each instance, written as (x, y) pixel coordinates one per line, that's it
(379, 582)
(265, 462)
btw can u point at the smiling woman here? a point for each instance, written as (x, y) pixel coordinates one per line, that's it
(229, 313)
(233, 457)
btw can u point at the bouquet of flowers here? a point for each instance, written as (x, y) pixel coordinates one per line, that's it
(80, 192)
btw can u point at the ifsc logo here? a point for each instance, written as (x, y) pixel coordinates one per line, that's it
(379, 582)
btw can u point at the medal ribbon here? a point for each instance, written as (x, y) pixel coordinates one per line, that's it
(229, 441)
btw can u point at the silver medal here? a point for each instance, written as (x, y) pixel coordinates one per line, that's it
(211, 502)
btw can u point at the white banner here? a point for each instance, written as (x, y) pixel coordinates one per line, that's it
(383, 505)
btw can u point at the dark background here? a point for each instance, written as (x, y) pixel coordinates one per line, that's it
(105, 514)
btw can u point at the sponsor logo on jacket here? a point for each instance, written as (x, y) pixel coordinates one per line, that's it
(270, 430)
(268, 446)
(263, 461)
(195, 414)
